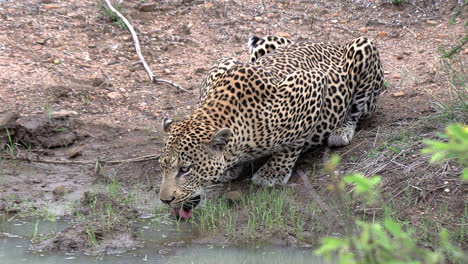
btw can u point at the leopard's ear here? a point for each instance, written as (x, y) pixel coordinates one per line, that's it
(167, 123)
(220, 139)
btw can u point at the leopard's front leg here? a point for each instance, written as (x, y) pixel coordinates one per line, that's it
(278, 169)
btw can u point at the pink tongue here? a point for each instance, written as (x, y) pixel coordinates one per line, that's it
(181, 212)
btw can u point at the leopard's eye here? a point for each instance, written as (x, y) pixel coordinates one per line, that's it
(183, 170)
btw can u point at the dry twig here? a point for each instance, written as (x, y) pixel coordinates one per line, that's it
(86, 162)
(138, 51)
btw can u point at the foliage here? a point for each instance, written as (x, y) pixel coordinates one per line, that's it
(454, 147)
(107, 12)
(386, 241)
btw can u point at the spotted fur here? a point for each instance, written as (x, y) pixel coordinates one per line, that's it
(294, 96)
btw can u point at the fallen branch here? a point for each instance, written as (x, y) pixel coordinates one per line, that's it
(85, 162)
(138, 51)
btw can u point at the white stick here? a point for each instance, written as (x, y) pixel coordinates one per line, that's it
(138, 50)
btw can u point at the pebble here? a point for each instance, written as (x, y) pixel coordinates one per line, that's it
(465, 51)
(114, 95)
(258, 19)
(248, 18)
(74, 152)
(271, 15)
(62, 114)
(398, 94)
(363, 29)
(283, 34)
(396, 76)
(148, 7)
(8, 120)
(60, 191)
(36, 180)
(52, 6)
(382, 34)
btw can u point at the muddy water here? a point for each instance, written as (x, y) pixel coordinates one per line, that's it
(164, 243)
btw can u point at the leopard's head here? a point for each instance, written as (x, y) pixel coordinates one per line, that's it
(192, 160)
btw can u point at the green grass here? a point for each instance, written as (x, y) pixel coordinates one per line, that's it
(92, 239)
(455, 110)
(10, 147)
(264, 211)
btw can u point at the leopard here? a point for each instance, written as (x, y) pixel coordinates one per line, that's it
(289, 97)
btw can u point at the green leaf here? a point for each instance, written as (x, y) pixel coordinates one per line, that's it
(332, 163)
(465, 174)
(363, 184)
(347, 258)
(393, 227)
(331, 244)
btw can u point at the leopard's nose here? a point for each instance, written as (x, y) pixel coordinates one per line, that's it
(167, 201)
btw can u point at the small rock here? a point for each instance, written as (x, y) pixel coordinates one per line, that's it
(233, 196)
(114, 95)
(334, 21)
(98, 82)
(208, 5)
(147, 7)
(271, 15)
(167, 71)
(259, 30)
(74, 152)
(91, 45)
(396, 76)
(283, 34)
(363, 29)
(56, 61)
(36, 180)
(42, 41)
(126, 38)
(52, 6)
(258, 19)
(382, 34)
(60, 191)
(465, 51)
(248, 18)
(399, 57)
(62, 114)
(8, 120)
(398, 94)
